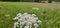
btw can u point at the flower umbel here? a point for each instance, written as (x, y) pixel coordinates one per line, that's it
(27, 20)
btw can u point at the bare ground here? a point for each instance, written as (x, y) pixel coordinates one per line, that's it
(55, 5)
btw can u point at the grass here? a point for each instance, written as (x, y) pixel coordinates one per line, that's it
(51, 19)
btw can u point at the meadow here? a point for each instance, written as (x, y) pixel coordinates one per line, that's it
(50, 16)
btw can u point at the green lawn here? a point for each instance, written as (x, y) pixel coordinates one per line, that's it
(51, 20)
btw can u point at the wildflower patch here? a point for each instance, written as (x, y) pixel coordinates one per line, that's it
(26, 20)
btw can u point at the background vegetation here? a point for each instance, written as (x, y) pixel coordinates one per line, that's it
(50, 16)
(29, 0)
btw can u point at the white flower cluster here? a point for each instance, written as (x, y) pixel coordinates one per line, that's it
(35, 8)
(26, 20)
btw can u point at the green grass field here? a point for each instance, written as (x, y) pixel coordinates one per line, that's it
(51, 20)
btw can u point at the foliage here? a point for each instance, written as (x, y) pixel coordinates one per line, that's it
(50, 19)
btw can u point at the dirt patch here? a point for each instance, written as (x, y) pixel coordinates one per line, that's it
(51, 5)
(44, 4)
